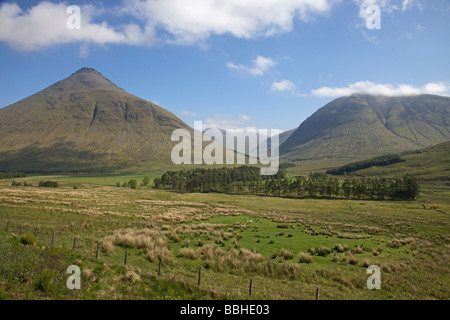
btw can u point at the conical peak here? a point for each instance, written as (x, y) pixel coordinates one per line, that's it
(85, 79)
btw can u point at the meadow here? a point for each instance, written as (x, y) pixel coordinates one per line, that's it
(287, 247)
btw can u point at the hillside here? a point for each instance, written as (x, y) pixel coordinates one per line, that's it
(426, 164)
(85, 123)
(363, 126)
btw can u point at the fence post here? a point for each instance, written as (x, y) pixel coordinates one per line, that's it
(7, 226)
(199, 276)
(317, 293)
(20, 230)
(96, 253)
(251, 287)
(53, 238)
(159, 269)
(35, 232)
(126, 256)
(74, 243)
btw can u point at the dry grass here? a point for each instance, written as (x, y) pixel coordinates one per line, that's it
(305, 258)
(189, 253)
(287, 255)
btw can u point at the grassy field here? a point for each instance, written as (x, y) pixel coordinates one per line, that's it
(287, 246)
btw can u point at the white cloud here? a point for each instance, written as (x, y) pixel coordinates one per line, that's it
(259, 67)
(225, 122)
(188, 113)
(44, 25)
(167, 21)
(283, 86)
(196, 20)
(383, 89)
(407, 4)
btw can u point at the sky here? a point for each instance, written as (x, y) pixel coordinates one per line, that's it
(230, 63)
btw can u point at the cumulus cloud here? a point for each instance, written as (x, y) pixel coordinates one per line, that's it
(383, 89)
(188, 113)
(168, 21)
(226, 122)
(45, 25)
(259, 66)
(194, 20)
(283, 86)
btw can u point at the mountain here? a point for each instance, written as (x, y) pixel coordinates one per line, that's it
(362, 126)
(282, 138)
(85, 123)
(426, 164)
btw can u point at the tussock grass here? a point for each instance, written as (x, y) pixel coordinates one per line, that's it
(286, 254)
(305, 258)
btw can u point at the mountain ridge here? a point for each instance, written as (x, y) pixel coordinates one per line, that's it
(363, 126)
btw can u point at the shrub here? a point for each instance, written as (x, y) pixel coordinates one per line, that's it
(338, 247)
(335, 258)
(118, 184)
(27, 239)
(312, 251)
(304, 258)
(146, 180)
(132, 183)
(48, 184)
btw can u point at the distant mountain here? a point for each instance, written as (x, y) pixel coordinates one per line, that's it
(282, 138)
(85, 123)
(363, 126)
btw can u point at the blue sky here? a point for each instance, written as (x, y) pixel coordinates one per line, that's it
(254, 63)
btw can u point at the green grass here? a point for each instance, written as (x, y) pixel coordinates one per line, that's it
(98, 209)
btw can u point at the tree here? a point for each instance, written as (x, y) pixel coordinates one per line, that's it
(157, 182)
(132, 183)
(146, 180)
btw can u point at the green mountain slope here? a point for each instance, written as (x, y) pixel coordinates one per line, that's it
(362, 126)
(85, 123)
(426, 164)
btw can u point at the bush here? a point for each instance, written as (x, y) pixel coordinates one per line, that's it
(146, 180)
(48, 184)
(132, 183)
(312, 251)
(27, 239)
(14, 183)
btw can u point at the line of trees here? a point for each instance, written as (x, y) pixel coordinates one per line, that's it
(378, 161)
(248, 180)
(11, 175)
